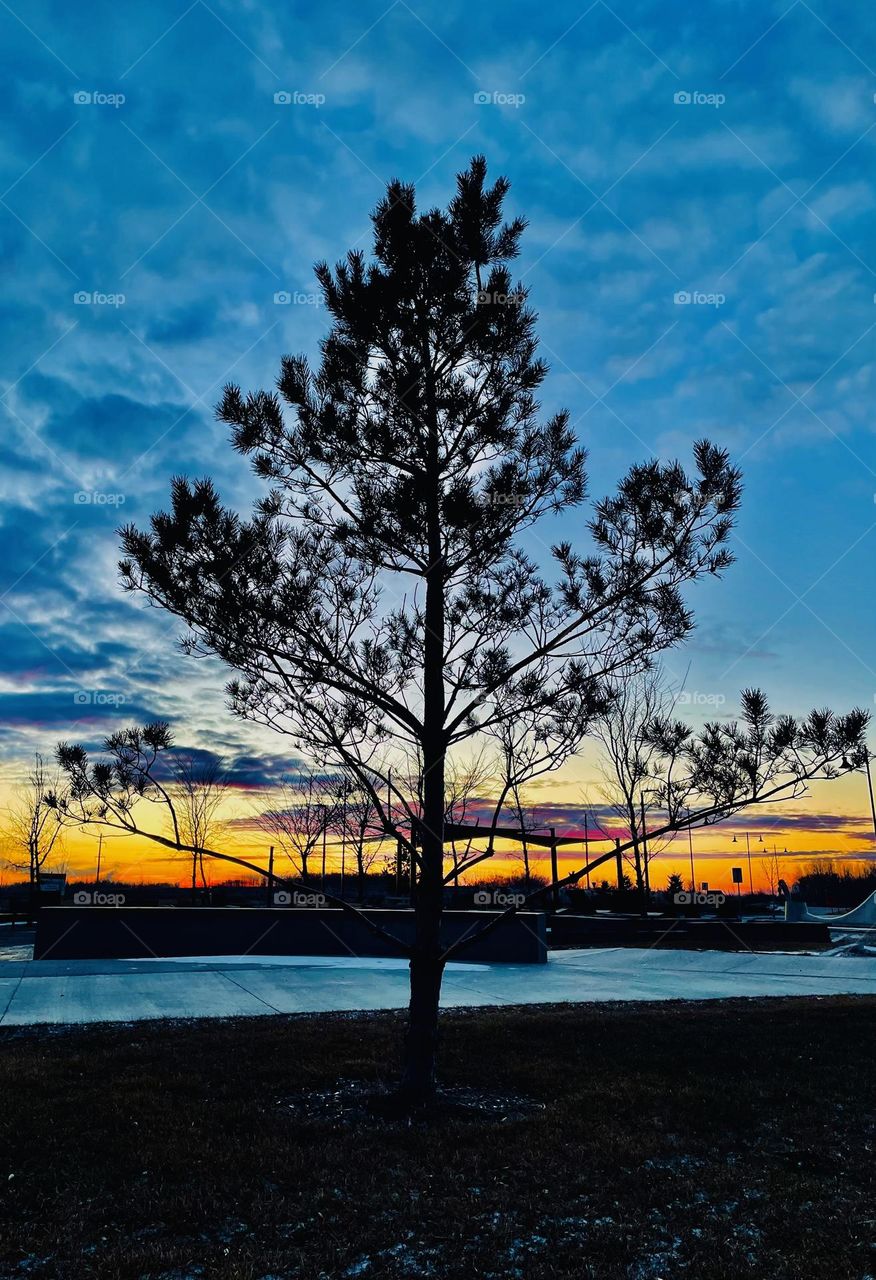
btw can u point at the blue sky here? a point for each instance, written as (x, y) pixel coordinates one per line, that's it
(723, 154)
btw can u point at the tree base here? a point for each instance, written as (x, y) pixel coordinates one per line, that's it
(352, 1103)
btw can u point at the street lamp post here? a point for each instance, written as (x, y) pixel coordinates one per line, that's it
(748, 851)
(870, 789)
(846, 765)
(693, 879)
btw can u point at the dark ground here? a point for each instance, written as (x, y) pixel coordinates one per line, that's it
(712, 1140)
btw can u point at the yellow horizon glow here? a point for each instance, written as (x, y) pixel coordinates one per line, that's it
(136, 859)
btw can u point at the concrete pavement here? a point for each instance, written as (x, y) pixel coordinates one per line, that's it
(84, 991)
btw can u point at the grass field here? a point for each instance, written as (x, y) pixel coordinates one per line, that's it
(713, 1140)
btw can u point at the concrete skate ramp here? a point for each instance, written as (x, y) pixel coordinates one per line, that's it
(94, 933)
(860, 917)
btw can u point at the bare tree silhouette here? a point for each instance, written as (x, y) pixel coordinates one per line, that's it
(200, 786)
(32, 829)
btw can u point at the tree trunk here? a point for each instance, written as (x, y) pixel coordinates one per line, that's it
(637, 862)
(421, 1040)
(418, 1081)
(645, 856)
(34, 892)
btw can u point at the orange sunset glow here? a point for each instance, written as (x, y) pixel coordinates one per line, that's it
(832, 824)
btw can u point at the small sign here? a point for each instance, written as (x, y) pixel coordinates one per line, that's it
(737, 875)
(52, 883)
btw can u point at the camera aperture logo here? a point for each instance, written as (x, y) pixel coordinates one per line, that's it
(97, 898)
(701, 898)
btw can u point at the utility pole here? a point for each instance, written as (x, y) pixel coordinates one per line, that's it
(413, 878)
(693, 879)
(620, 864)
(344, 845)
(645, 869)
(586, 848)
(324, 825)
(99, 851)
(270, 876)
(555, 874)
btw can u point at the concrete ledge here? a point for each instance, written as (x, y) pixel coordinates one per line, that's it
(568, 930)
(97, 933)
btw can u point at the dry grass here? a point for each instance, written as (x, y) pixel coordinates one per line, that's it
(638, 1141)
